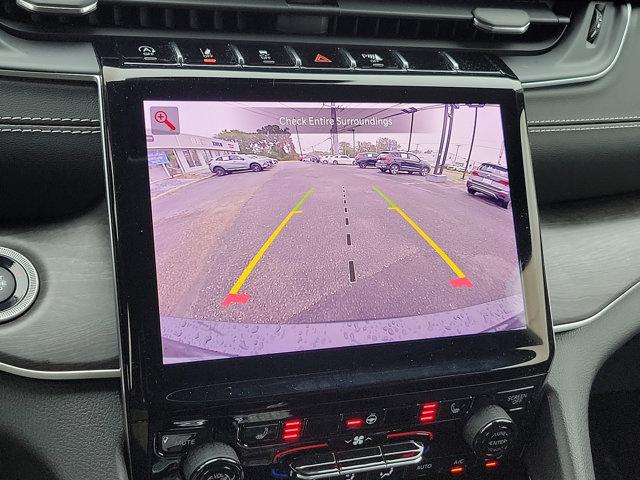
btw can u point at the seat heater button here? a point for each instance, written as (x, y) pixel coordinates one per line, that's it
(259, 434)
(208, 53)
(452, 409)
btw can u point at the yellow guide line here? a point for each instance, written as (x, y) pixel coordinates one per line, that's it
(421, 232)
(254, 261)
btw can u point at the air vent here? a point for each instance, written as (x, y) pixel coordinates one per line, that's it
(447, 23)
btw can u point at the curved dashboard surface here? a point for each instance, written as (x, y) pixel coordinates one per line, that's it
(589, 241)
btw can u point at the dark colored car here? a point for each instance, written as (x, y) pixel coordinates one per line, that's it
(491, 180)
(366, 159)
(394, 162)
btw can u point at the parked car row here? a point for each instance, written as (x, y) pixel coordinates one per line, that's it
(489, 179)
(237, 162)
(392, 162)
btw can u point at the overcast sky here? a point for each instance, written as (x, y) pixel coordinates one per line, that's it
(210, 118)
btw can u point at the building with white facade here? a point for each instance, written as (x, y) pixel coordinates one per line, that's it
(175, 155)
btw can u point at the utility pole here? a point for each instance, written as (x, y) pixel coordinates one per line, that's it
(334, 129)
(442, 135)
(412, 111)
(410, 132)
(501, 153)
(457, 150)
(353, 132)
(473, 138)
(448, 115)
(299, 144)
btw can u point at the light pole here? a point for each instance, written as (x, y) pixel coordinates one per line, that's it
(412, 111)
(353, 132)
(457, 150)
(473, 137)
(299, 144)
(445, 139)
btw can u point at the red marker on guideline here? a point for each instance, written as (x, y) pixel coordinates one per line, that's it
(161, 117)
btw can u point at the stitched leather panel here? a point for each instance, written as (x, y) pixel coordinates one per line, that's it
(51, 155)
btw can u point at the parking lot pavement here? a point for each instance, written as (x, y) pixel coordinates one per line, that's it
(345, 253)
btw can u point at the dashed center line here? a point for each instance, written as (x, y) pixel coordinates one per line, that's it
(351, 264)
(352, 272)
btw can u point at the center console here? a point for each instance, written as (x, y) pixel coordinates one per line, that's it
(328, 262)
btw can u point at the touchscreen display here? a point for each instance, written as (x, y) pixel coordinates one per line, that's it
(286, 226)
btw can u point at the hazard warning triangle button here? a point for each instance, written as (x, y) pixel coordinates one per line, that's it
(322, 59)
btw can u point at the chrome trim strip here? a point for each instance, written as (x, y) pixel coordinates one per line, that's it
(56, 10)
(347, 54)
(586, 78)
(77, 77)
(451, 60)
(178, 53)
(403, 61)
(565, 327)
(480, 25)
(293, 54)
(58, 374)
(238, 54)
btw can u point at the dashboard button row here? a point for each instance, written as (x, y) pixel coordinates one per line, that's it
(321, 427)
(215, 54)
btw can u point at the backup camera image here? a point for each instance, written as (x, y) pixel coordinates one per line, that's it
(286, 226)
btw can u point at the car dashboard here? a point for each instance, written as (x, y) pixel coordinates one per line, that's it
(127, 132)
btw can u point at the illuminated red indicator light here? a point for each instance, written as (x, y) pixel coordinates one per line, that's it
(354, 423)
(292, 430)
(491, 464)
(415, 433)
(428, 412)
(283, 453)
(457, 470)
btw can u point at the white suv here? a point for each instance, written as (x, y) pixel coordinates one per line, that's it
(237, 163)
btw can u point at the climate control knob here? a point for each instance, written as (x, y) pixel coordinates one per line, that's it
(212, 461)
(490, 432)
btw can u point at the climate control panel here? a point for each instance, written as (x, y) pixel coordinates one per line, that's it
(470, 432)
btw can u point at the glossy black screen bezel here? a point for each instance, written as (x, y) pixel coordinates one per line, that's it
(150, 380)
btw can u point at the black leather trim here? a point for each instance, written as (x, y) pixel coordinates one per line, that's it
(584, 161)
(51, 156)
(72, 324)
(61, 430)
(591, 253)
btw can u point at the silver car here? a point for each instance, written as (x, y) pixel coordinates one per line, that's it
(238, 163)
(491, 180)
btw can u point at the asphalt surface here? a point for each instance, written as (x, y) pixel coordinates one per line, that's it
(327, 264)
